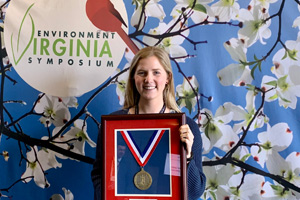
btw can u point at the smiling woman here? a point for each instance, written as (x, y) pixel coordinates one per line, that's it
(150, 89)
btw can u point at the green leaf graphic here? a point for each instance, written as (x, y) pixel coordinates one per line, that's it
(19, 36)
(200, 7)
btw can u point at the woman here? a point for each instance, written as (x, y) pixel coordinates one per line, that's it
(150, 89)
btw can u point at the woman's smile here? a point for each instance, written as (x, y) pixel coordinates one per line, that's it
(149, 87)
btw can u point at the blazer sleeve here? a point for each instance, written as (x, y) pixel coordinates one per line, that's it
(195, 176)
(97, 169)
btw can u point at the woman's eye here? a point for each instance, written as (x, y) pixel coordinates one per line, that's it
(156, 72)
(141, 73)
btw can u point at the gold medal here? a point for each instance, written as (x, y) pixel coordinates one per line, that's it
(142, 180)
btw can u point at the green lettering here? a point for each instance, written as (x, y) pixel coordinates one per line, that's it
(34, 46)
(44, 46)
(71, 48)
(105, 49)
(62, 48)
(95, 48)
(81, 46)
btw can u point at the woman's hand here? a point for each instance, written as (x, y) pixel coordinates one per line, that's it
(187, 137)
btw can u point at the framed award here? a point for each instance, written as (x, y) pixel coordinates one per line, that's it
(143, 157)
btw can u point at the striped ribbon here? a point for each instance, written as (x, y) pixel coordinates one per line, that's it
(142, 157)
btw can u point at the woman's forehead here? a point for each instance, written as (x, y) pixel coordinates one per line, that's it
(151, 62)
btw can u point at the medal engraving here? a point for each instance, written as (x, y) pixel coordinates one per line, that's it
(142, 180)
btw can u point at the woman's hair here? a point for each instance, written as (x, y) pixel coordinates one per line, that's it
(131, 94)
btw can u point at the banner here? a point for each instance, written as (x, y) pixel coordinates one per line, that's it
(56, 48)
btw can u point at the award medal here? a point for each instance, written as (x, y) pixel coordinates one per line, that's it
(142, 179)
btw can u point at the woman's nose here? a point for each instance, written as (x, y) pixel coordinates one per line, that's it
(148, 78)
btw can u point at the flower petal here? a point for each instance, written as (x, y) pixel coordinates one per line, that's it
(230, 74)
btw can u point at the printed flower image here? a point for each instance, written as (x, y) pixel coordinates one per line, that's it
(276, 139)
(68, 195)
(78, 133)
(186, 93)
(54, 111)
(237, 74)
(225, 10)
(37, 164)
(255, 25)
(171, 44)
(199, 10)
(143, 11)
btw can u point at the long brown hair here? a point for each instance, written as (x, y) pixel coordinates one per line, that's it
(131, 94)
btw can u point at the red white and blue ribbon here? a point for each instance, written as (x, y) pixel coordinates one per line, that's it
(142, 157)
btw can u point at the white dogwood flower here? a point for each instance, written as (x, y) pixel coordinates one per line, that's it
(237, 74)
(216, 177)
(275, 139)
(68, 195)
(225, 10)
(255, 25)
(152, 9)
(249, 189)
(59, 141)
(277, 192)
(69, 101)
(228, 140)
(54, 110)
(264, 4)
(121, 84)
(214, 127)
(171, 44)
(248, 114)
(283, 88)
(186, 93)
(38, 163)
(79, 132)
(199, 8)
(284, 58)
(245, 116)
(292, 174)
(288, 169)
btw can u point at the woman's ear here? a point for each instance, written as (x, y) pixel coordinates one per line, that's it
(169, 78)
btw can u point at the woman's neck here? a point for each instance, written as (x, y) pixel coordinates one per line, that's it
(150, 107)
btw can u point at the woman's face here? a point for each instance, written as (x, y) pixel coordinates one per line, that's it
(150, 79)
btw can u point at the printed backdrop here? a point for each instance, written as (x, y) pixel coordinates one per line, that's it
(236, 68)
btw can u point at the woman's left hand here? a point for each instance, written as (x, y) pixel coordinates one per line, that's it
(187, 137)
